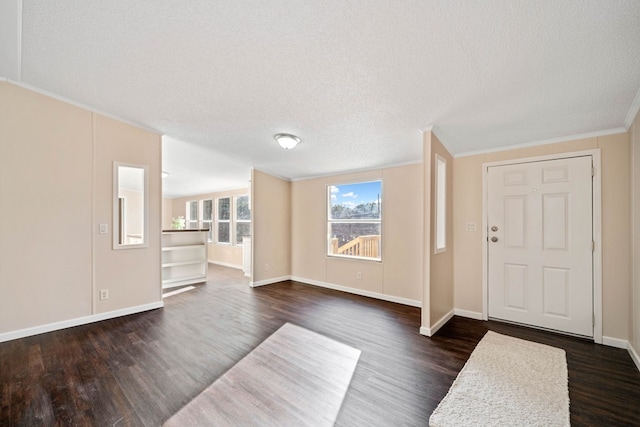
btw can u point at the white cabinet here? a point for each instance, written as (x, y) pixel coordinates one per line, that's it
(184, 257)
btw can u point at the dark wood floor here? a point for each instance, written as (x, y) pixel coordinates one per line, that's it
(141, 369)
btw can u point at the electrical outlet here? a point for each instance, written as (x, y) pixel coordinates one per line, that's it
(104, 294)
(104, 228)
(359, 275)
(471, 226)
(266, 267)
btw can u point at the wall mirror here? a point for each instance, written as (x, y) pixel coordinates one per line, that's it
(130, 206)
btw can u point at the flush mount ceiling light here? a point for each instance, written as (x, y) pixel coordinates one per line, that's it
(165, 174)
(287, 141)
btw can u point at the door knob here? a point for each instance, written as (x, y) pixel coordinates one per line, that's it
(494, 228)
(494, 239)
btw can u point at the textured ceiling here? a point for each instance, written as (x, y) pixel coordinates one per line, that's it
(356, 80)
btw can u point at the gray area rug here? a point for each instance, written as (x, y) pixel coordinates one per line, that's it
(508, 382)
(295, 377)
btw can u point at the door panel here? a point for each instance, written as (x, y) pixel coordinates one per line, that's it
(540, 254)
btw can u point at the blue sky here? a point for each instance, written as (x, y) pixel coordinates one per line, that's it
(354, 194)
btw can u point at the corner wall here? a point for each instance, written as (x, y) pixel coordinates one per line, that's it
(56, 186)
(438, 301)
(271, 228)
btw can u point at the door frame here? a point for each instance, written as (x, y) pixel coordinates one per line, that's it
(597, 230)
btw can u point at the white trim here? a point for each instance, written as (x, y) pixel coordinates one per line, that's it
(269, 281)
(36, 330)
(634, 355)
(4, 79)
(597, 253)
(83, 106)
(485, 240)
(226, 264)
(468, 314)
(597, 230)
(436, 326)
(425, 331)
(615, 342)
(116, 226)
(361, 292)
(544, 142)
(633, 111)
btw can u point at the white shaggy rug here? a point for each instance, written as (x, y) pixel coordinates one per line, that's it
(507, 382)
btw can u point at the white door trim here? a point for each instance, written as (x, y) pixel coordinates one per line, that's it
(597, 231)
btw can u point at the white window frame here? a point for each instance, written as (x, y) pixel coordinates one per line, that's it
(222, 221)
(207, 221)
(239, 221)
(440, 217)
(188, 219)
(352, 221)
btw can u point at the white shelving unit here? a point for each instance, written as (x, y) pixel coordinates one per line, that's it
(184, 257)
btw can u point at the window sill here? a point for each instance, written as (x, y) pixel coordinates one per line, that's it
(354, 258)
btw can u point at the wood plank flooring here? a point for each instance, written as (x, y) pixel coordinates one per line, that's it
(141, 369)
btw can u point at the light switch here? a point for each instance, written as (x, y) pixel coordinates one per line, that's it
(471, 226)
(104, 228)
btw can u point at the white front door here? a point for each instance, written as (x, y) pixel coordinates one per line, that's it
(540, 244)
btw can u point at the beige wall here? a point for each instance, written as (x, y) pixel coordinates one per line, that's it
(467, 191)
(271, 220)
(224, 254)
(52, 199)
(441, 264)
(45, 210)
(131, 275)
(634, 336)
(400, 272)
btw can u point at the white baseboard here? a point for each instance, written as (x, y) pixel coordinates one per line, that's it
(436, 326)
(36, 330)
(615, 342)
(269, 281)
(634, 355)
(468, 314)
(425, 331)
(226, 264)
(376, 295)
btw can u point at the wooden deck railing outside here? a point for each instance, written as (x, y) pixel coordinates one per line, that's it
(362, 246)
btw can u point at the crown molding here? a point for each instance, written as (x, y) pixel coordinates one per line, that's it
(594, 134)
(83, 106)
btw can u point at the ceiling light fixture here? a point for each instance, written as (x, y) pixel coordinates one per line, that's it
(287, 141)
(165, 174)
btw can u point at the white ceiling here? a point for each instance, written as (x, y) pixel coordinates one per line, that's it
(357, 81)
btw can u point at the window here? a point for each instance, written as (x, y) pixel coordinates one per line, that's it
(354, 220)
(192, 215)
(243, 218)
(207, 218)
(224, 220)
(440, 241)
